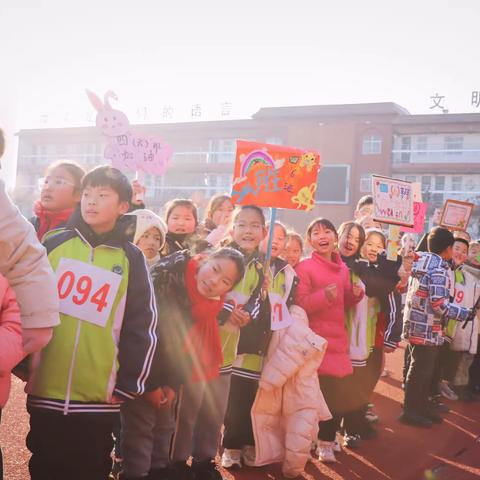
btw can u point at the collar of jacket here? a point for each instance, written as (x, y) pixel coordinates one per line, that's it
(114, 238)
(256, 256)
(335, 264)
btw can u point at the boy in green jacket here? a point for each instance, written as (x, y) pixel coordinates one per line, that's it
(101, 352)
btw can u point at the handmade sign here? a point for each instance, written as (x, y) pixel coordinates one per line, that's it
(125, 149)
(392, 201)
(275, 176)
(393, 242)
(456, 214)
(420, 215)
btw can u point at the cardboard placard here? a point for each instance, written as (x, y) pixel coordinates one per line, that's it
(128, 150)
(456, 215)
(392, 201)
(275, 176)
(420, 215)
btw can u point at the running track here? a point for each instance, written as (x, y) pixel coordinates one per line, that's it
(446, 452)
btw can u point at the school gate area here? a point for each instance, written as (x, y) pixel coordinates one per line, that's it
(450, 451)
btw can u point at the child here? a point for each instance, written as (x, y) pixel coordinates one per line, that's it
(244, 349)
(59, 195)
(11, 351)
(364, 213)
(189, 293)
(293, 249)
(101, 352)
(215, 227)
(25, 265)
(324, 292)
(472, 266)
(150, 233)
(182, 220)
(462, 342)
(427, 309)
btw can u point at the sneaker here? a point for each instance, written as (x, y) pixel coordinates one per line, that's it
(415, 420)
(248, 455)
(325, 452)
(446, 391)
(231, 458)
(352, 441)
(434, 418)
(437, 405)
(370, 415)
(206, 470)
(337, 444)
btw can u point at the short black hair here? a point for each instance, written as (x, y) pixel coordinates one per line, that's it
(326, 224)
(365, 200)
(107, 176)
(181, 202)
(464, 241)
(348, 227)
(439, 239)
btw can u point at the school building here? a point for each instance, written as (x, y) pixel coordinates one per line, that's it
(441, 151)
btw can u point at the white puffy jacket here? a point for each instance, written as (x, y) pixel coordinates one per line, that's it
(289, 403)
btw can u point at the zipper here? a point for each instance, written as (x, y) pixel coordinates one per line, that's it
(75, 346)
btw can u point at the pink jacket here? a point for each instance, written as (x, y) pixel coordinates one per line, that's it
(327, 318)
(11, 350)
(289, 403)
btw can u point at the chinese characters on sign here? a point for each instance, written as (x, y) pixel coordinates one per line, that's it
(275, 176)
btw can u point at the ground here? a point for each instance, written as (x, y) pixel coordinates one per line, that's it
(450, 451)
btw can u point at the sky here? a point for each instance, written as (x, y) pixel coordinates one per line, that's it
(162, 58)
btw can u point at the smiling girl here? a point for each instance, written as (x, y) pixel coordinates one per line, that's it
(59, 195)
(324, 292)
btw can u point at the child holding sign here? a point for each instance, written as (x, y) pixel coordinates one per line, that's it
(243, 349)
(101, 352)
(324, 292)
(59, 195)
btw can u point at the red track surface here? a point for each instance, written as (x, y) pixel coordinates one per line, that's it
(445, 452)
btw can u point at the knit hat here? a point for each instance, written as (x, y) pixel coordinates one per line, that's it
(146, 219)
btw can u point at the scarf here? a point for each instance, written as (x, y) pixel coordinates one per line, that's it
(48, 219)
(202, 341)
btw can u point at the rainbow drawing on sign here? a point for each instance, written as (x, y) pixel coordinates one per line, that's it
(253, 158)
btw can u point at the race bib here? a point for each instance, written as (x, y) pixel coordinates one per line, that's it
(85, 291)
(280, 316)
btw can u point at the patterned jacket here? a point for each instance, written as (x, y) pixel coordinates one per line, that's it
(428, 306)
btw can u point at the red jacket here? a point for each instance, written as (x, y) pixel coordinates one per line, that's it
(11, 349)
(327, 318)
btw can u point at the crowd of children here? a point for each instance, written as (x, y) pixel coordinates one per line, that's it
(170, 341)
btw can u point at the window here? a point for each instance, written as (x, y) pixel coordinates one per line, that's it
(333, 184)
(410, 178)
(366, 183)
(372, 144)
(440, 183)
(426, 183)
(274, 140)
(453, 145)
(222, 151)
(406, 149)
(457, 183)
(422, 146)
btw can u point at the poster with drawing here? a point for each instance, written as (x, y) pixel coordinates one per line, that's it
(392, 201)
(126, 149)
(275, 176)
(456, 215)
